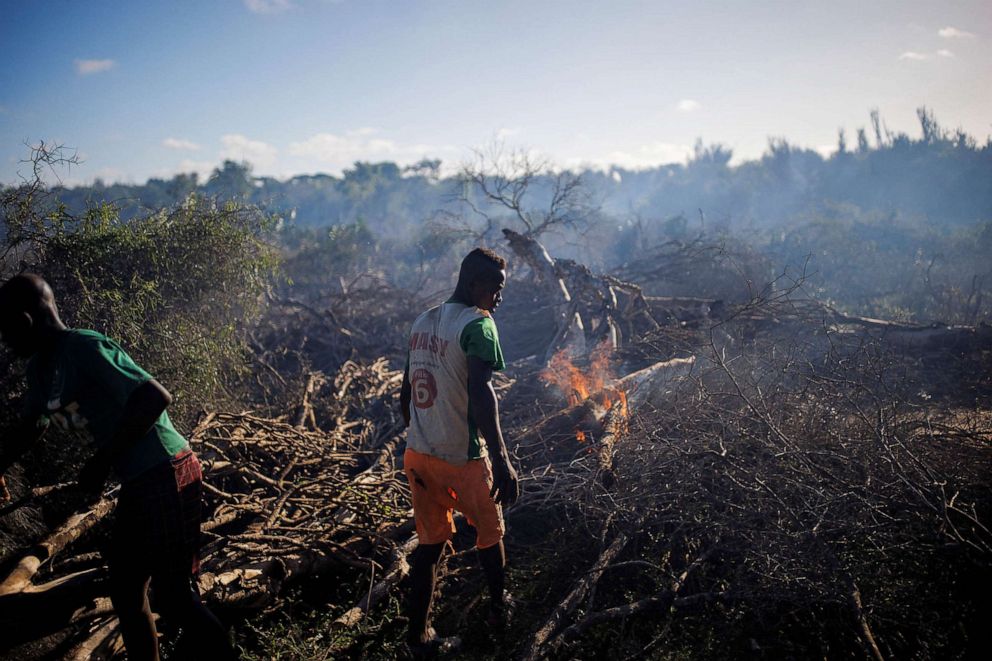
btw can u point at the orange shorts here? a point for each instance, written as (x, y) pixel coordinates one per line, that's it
(438, 487)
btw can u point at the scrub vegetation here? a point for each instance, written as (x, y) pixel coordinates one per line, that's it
(781, 447)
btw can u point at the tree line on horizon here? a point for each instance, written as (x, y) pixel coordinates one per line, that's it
(941, 177)
(889, 225)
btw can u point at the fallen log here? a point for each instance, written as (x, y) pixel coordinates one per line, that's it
(398, 568)
(33, 495)
(41, 610)
(578, 592)
(917, 336)
(569, 328)
(103, 642)
(20, 577)
(659, 603)
(614, 427)
(654, 384)
(553, 439)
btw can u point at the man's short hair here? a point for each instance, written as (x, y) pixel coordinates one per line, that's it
(481, 263)
(25, 292)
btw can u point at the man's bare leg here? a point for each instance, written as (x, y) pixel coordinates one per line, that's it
(129, 594)
(204, 637)
(423, 577)
(493, 561)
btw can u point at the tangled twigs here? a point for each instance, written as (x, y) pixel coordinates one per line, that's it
(397, 569)
(292, 501)
(29, 609)
(285, 501)
(574, 598)
(18, 581)
(33, 495)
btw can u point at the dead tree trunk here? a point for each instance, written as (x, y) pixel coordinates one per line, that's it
(568, 322)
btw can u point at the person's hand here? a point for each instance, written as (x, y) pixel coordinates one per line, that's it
(4, 493)
(94, 474)
(506, 485)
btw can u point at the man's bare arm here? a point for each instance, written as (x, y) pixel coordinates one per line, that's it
(16, 442)
(19, 440)
(145, 404)
(405, 397)
(485, 412)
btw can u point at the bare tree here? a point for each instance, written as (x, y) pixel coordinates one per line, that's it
(28, 207)
(515, 187)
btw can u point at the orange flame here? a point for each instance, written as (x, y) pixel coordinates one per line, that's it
(577, 386)
(564, 375)
(580, 436)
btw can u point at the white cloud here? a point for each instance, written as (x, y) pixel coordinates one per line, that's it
(826, 151)
(88, 67)
(180, 143)
(331, 147)
(506, 132)
(334, 152)
(688, 105)
(201, 168)
(267, 6)
(240, 148)
(954, 33)
(642, 158)
(917, 56)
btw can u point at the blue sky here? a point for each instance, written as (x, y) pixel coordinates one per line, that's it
(149, 88)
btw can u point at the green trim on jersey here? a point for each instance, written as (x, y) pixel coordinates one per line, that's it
(480, 338)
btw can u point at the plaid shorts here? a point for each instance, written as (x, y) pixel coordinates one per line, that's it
(157, 527)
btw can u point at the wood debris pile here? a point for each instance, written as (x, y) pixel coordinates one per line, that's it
(284, 502)
(766, 488)
(768, 471)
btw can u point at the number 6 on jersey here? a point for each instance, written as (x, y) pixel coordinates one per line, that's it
(424, 388)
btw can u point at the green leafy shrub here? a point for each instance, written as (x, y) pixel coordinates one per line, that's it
(174, 287)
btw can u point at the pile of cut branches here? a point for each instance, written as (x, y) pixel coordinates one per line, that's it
(284, 502)
(764, 478)
(799, 492)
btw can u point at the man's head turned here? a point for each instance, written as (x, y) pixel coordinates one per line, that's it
(481, 279)
(27, 313)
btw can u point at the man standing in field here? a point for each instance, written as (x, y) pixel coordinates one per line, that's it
(447, 400)
(82, 380)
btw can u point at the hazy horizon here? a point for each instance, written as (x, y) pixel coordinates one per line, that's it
(311, 86)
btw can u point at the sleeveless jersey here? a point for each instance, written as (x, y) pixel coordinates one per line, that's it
(441, 341)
